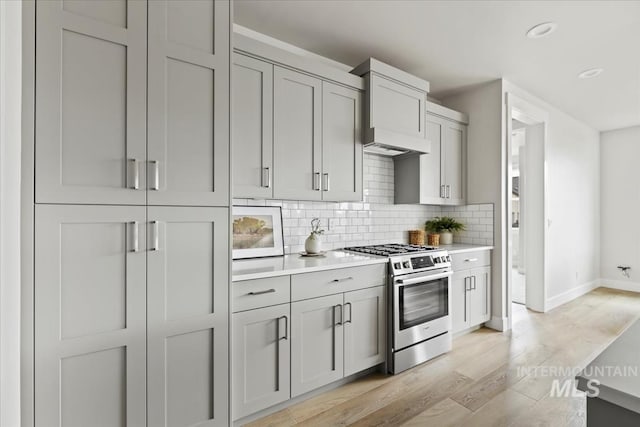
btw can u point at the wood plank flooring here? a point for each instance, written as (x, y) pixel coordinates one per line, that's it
(482, 381)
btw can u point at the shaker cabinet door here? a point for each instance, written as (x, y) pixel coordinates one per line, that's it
(187, 320)
(252, 127)
(432, 179)
(364, 329)
(261, 349)
(454, 161)
(317, 335)
(459, 288)
(341, 143)
(188, 113)
(297, 135)
(90, 318)
(480, 304)
(90, 132)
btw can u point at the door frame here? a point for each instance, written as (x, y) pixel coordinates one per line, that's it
(521, 110)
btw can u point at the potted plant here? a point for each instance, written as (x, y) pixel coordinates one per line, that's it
(313, 244)
(444, 226)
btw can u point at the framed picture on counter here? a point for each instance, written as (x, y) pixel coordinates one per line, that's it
(257, 232)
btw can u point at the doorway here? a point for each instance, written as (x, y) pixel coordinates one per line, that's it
(525, 206)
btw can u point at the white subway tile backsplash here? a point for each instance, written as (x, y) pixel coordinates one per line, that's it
(376, 220)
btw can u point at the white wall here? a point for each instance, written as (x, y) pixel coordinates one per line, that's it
(620, 207)
(573, 167)
(572, 155)
(10, 141)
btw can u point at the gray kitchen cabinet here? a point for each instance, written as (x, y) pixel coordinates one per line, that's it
(262, 368)
(341, 143)
(188, 103)
(437, 178)
(470, 290)
(364, 329)
(187, 316)
(252, 127)
(90, 132)
(317, 345)
(297, 135)
(90, 315)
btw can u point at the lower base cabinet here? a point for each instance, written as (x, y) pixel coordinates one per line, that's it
(336, 336)
(261, 348)
(470, 293)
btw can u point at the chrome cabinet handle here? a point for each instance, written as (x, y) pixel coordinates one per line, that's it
(135, 164)
(286, 328)
(326, 181)
(333, 332)
(266, 177)
(350, 312)
(156, 175)
(316, 181)
(448, 191)
(465, 297)
(442, 193)
(155, 238)
(267, 291)
(341, 314)
(471, 260)
(474, 282)
(135, 246)
(344, 279)
(423, 279)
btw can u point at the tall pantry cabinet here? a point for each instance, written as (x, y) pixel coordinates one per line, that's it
(131, 213)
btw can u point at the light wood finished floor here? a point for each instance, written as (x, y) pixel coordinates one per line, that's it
(478, 382)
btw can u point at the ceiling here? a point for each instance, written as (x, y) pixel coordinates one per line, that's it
(457, 44)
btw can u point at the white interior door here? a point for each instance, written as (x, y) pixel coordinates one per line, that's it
(187, 321)
(90, 136)
(90, 317)
(188, 114)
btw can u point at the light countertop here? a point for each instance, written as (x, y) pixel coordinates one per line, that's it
(461, 247)
(261, 268)
(295, 264)
(617, 369)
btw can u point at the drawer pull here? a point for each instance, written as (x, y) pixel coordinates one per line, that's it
(344, 279)
(471, 260)
(268, 291)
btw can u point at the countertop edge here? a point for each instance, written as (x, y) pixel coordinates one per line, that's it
(469, 249)
(611, 395)
(303, 270)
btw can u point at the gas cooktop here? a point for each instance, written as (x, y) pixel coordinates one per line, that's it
(390, 249)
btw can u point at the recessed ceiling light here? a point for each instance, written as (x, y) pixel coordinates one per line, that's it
(593, 72)
(542, 30)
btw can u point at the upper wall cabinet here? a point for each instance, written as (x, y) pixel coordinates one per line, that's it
(252, 117)
(188, 103)
(395, 106)
(91, 83)
(94, 124)
(437, 178)
(297, 129)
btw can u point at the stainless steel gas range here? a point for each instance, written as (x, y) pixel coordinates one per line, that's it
(419, 323)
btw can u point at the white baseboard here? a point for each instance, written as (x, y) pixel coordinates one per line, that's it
(497, 323)
(571, 294)
(622, 285)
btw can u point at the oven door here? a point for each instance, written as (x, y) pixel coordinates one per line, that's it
(420, 307)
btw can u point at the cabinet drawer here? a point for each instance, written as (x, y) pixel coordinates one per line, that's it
(250, 294)
(312, 285)
(467, 260)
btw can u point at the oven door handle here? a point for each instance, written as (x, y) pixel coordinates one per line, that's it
(423, 279)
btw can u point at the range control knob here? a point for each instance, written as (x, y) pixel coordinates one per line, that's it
(397, 266)
(406, 264)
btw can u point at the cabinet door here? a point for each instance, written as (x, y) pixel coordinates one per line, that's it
(252, 127)
(188, 114)
(479, 302)
(316, 343)
(297, 146)
(90, 319)
(453, 161)
(432, 189)
(261, 354)
(364, 329)
(187, 326)
(90, 133)
(459, 288)
(341, 143)
(398, 108)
